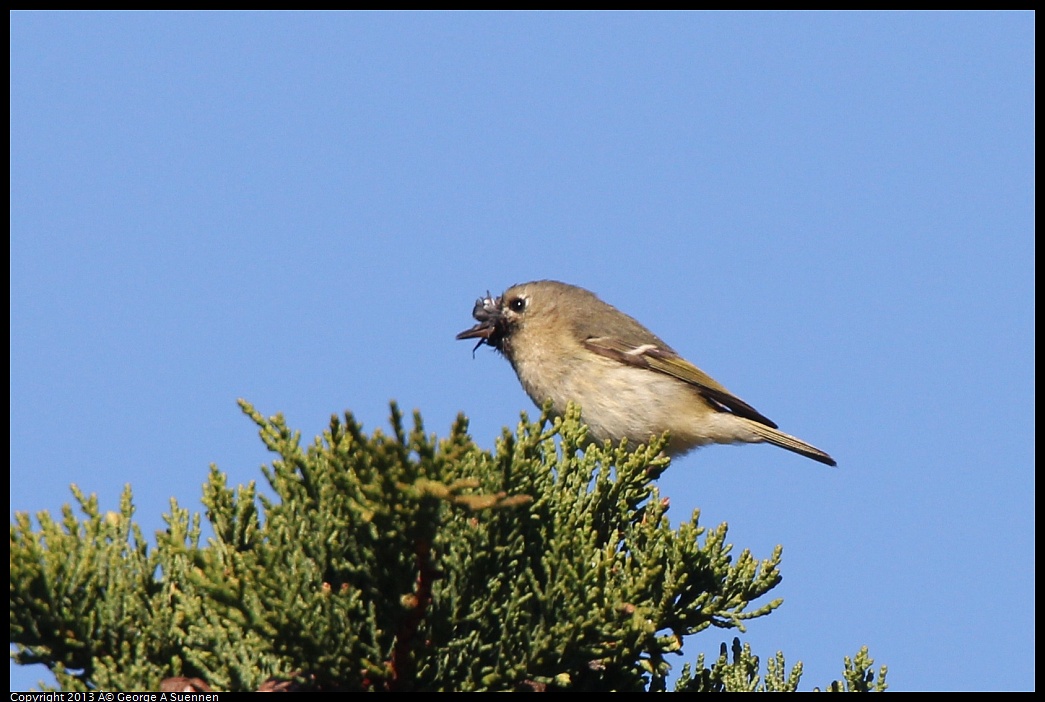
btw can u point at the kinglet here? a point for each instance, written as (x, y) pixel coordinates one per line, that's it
(566, 344)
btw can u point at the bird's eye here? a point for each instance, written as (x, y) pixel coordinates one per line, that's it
(517, 304)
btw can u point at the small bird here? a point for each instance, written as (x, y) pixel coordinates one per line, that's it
(566, 344)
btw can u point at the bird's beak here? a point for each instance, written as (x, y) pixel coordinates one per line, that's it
(482, 330)
(487, 311)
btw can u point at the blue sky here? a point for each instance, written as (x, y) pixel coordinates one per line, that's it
(832, 214)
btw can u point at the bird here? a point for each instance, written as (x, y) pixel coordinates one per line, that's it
(567, 345)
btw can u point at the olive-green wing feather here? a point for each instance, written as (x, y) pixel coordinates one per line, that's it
(664, 360)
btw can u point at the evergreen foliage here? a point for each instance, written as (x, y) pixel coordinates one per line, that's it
(401, 562)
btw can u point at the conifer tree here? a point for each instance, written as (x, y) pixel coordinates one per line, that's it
(402, 562)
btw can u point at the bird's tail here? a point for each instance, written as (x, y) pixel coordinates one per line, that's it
(791, 443)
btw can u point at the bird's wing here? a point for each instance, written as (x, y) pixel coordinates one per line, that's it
(666, 361)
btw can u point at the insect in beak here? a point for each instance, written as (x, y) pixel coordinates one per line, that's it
(487, 312)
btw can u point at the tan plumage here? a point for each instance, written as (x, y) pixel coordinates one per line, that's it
(566, 344)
